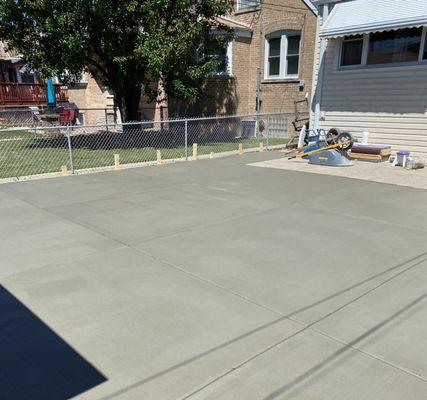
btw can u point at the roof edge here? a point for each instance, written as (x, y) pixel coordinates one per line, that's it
(368, 28)
(310, 4)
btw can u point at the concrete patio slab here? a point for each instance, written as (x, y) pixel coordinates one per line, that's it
(397, 341)
(213, 279)
(368, 171)
(32, 238)
(147, 325)
(312, 367)
(320, 260)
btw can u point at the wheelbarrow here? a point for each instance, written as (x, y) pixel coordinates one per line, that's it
(329, 149)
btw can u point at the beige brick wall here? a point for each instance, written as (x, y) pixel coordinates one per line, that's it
(248, 56)
(92, 99)
(236, 94)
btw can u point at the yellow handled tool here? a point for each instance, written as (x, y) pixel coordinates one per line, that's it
(332, 146)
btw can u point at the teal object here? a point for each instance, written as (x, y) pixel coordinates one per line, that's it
(51, 95)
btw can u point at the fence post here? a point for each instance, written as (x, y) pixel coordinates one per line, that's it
(116, 162)
(186, 139)
(33, 121)
(70, 151)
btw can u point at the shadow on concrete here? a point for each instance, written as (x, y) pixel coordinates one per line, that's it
(340, 355)
(413, 263)
(35, 363)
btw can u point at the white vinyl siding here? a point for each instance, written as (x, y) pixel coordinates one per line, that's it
(316, 68)
(389, 102)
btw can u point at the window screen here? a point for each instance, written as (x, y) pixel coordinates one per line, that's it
(274, 56)
(292, 57)
(351, 51)
(398, 46)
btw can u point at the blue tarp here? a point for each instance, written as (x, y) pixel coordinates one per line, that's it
(51, 95)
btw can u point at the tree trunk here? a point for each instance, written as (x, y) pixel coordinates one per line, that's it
(128, 101)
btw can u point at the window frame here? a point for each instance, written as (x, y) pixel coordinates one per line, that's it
(229, 62)
(283, 73)
(365, 51)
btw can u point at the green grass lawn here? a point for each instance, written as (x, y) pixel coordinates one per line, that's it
(32, 155)
(16, 134)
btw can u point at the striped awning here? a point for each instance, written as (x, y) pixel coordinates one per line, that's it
(364, 16)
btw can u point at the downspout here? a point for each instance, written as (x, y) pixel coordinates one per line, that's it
(258, 74)
(320, 72)
(261, 59)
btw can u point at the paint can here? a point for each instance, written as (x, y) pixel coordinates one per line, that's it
(365, 138)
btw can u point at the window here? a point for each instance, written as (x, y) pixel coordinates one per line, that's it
(292, 55)
(244, 4)
(282, 55)
(274, 56)
(11, 72)
(351, 52)
(400, 46)
(224, 59)
(27, 75)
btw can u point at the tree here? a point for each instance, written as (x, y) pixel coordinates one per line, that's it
(126, 44)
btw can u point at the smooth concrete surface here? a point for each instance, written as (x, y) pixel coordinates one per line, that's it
(216, 279)
(383, 172)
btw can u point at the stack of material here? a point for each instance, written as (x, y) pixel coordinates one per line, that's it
(370, 153)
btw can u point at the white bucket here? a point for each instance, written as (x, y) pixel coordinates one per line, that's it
(365, 138)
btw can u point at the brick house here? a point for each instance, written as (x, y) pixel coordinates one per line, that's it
(275, 43)
(21, 88)
(19, 85)
(95, 101)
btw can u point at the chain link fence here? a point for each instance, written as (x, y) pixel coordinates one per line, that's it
(40, 116)
(78, 149)
(11, 118)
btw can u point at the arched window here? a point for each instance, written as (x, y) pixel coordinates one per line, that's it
(282, 55)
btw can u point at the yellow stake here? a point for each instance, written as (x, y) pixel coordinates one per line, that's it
(159, 157)
(194, 151)
(64, 170)
(261, 146)
(240, 148)
(116, 162)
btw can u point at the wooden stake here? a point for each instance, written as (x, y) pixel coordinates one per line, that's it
(240, 148)
(194, 151)
(64, 170)
(116, 162)
(211, 155)
(159, 157)
(261, 146)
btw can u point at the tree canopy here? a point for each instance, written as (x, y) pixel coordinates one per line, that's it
(126, 44)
